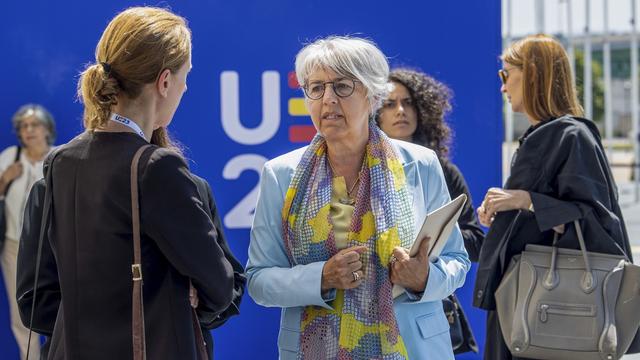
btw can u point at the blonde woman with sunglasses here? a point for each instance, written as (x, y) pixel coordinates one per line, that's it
(559, 174)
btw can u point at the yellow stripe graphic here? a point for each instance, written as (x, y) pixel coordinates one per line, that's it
(297, 108)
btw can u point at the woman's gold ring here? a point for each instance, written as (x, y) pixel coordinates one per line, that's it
(356, 276)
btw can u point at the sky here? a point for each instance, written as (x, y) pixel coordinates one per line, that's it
(523, 19)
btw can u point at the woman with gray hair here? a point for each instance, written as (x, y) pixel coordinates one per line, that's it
(334, 220)
(20, 167)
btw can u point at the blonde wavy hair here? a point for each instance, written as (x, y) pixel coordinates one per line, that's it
(137, 45)
(547, 85)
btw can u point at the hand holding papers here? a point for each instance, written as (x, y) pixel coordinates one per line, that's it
(437, 226)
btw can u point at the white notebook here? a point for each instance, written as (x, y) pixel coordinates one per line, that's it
(437, 225)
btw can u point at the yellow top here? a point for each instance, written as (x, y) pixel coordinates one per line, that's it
(340, 213)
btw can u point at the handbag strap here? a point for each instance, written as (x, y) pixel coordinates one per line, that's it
(588, 282)
(201, 345)
(138, 331)
(44, 225)
(551, 280)
(137, 311)
(15, 160)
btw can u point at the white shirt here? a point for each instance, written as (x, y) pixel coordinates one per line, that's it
(16, 197)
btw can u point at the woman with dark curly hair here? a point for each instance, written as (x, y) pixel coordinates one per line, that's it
(414, 112)
(419, 116)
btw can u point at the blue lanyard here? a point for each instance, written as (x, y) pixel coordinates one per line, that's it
(128, 123)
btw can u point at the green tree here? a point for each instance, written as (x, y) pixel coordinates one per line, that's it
(597, 84)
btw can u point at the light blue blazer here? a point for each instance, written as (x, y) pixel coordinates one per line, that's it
(273, 282)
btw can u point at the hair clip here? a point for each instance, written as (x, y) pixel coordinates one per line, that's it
(106, 67)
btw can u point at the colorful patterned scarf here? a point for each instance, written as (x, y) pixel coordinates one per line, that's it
(362, 324)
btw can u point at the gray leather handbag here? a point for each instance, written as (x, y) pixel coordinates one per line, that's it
(569, 304)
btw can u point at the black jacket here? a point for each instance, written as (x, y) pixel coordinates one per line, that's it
(211, 320)
(91, 248)
(472, 233)
(48, 295)
(562, 164)
(473, 236)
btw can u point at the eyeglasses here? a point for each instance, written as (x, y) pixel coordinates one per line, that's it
(26, 125)
(342, 88)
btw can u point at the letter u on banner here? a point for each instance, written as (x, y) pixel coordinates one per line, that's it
(230, 108)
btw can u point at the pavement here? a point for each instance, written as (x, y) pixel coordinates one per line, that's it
(630, 205)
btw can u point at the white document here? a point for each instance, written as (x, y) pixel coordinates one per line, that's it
(437, 225)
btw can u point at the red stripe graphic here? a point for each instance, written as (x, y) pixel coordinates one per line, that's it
(301, 133)
(292, 80)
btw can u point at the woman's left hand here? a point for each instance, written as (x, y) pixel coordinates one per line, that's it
(410, 272)
(498, 199)
(193, 296)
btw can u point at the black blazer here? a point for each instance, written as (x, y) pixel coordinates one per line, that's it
(91, 247)
(563, 166)
(211, 320)
(48, 296)
(472, 233)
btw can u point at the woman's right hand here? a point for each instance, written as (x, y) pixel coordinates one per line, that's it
(338, 272)
(498, 199)
(13, 171)
(483, 216)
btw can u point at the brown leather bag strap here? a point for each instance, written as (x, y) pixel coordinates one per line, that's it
(138, 332)
(137, 310)
(201, 345)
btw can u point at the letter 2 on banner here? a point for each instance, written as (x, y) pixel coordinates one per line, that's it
(241, 215)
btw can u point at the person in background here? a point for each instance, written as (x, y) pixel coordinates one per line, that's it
(559, 174)
(415, 111)
(334, 219)
(20, 167)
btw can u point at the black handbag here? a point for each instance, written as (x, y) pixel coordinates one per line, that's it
(462, 339)
(3, 220)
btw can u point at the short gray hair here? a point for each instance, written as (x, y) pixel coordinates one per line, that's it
(41, 114)
(347, 56)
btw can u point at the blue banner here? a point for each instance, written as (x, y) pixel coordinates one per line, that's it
(243, 105)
